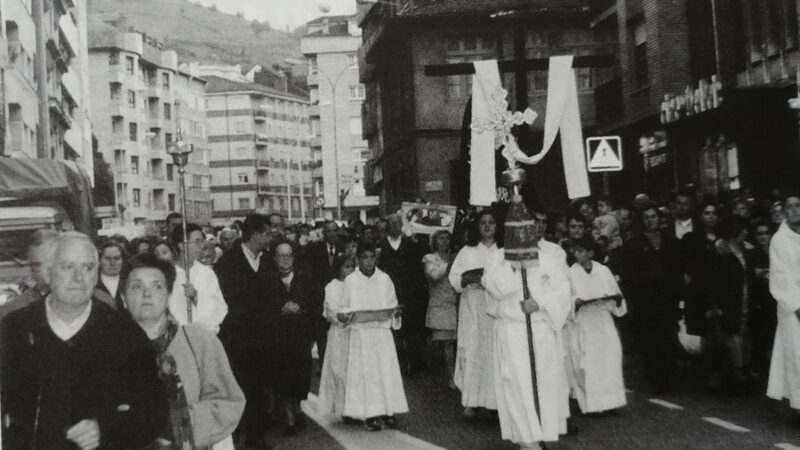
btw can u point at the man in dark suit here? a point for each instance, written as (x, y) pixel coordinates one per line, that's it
(401, 259)
(317, 261)
(248, 331)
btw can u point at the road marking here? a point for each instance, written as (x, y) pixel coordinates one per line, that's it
(358, 438)
(727, 425)
(785, 446)
(665, 404)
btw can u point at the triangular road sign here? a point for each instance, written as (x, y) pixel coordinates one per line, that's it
(604, 154)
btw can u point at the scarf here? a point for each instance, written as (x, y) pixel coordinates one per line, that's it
(179, 434)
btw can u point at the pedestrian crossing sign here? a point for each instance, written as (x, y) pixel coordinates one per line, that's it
(604, 154)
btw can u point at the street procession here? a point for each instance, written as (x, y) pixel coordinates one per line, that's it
(519, 224)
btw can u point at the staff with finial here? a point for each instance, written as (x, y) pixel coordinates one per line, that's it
(180, 152)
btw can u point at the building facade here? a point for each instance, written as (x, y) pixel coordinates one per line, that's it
(415, 124)
(260, 155)
(138, 100)
(46, 103)
(704, 88)
(331, 47)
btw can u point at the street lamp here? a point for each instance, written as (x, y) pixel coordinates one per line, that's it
(180, 151)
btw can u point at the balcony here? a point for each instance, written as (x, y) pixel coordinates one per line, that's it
(14, 50)
(260, 115)
(57, 56)
(262, 140)
(313, 110)
(69, 81)
(312, 79)
(262, 166)
(68, 33)
(60, 112)
(154, 90)
(119, 141)
(16, 131)
(315, 142)
(65, 47)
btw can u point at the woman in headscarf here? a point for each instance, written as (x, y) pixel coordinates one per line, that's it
(205, 401)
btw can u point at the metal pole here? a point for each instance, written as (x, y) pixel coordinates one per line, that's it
(716, 34)
(40, 66)
(336, 151)
(181, 171)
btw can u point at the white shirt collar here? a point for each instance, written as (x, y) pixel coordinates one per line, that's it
(65, 330)
(395, 243)
(111, 283)
(253, 259)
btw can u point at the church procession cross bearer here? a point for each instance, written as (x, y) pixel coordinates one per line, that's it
(492, 130)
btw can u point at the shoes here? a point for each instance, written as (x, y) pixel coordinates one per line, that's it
(350, 421)
(290, 430)
(390, 422)
(373, 424)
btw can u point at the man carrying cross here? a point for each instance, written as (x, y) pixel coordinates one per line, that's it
(528, 414)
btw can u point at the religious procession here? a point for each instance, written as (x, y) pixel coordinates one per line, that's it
(535, 224)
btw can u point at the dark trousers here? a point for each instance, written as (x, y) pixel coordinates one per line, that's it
(255, 385)
(659, 345)
(411, 343)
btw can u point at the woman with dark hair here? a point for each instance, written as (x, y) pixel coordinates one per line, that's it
(204, 399)
(474, 374)
(697, 248)
(728, 308)
(165, 250)
(764, 313)
(442, 316)
(652, 283)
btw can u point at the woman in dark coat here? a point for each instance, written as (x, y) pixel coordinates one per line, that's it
(652, 281)
(697, 248)
(728, 306)
(294, 293)
(764, 315)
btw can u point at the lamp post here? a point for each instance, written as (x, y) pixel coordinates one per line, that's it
(180, 152)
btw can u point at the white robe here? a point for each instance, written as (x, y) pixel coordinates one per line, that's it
(374, 386)
(474, 374)
(520, 422)
(784, 284)
(334, 367)
(595, 350)
(211, 308)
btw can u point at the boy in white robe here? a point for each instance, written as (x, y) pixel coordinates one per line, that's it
(551, 303)
(374, 387)
(595, 350)
(784, 284)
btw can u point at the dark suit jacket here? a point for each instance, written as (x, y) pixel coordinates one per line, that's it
(314, 261)
(55, 384)
(404, 267)
(248, 331)
(119, 305)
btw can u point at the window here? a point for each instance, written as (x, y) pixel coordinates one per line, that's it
(312, 65)
(463, 50)
(243, 178)
(135, 165)
(171, 202)
(357, 92)
(352, 61)
(133, 131)
(170, 172)
(239, 127)
(355, 126)
(165, 80)
(131, 99)
(167, 111)
(113, 58)
(137, 198)
(244, 203)
(641, 73)
(130, 65)
(168, 138)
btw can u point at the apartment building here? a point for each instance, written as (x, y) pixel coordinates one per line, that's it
(137, 102)
(331, 47)
(46, 80)
(260, 155)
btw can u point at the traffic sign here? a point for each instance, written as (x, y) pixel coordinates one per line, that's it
(604, 154)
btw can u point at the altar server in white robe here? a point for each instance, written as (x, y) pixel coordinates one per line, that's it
(549, 307)
(474, 374)
(374, 388)
(334, 367)
(784, 284)
(595, 351)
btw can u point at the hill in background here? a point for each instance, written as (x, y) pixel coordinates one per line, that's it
(197, 33)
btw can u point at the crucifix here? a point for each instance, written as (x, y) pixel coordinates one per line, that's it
(519, 65)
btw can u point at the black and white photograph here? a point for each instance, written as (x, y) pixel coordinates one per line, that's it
(399, 224)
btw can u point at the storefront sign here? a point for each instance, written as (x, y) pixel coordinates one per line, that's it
(434, 186)
(707, 96)
(653, 149)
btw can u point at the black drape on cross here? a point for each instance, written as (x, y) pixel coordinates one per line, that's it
(519, 66)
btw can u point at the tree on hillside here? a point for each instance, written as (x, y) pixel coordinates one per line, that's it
(260, 27)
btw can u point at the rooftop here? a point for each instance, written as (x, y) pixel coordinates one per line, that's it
(219, 85)
(495, 8)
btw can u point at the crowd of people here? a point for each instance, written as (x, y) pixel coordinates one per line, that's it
(204, 338)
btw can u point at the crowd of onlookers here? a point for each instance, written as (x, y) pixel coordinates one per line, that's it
(694, 273)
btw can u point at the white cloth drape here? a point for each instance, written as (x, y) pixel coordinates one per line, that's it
(483, 190)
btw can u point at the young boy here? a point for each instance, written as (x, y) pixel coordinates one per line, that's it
(595, 351)
(374, 387)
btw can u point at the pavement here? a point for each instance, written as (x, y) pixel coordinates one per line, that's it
(689, 417)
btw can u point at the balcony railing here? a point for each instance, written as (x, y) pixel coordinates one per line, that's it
(16, 131)
(260, 115)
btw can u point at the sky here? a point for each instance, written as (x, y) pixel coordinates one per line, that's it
(280, 13)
